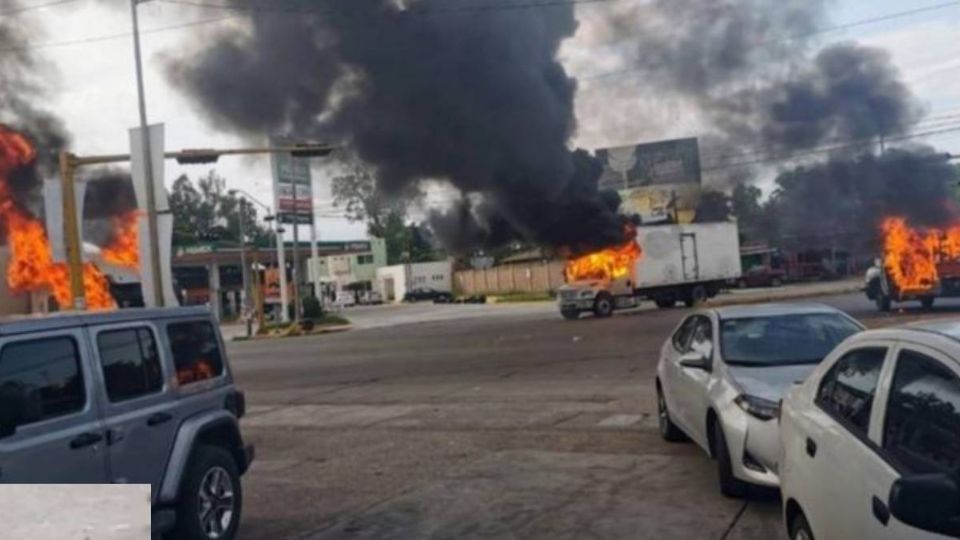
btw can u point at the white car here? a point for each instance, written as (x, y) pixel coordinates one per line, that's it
(871, 441)
(723, 372)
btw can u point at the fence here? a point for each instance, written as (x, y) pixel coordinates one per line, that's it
(509, 278)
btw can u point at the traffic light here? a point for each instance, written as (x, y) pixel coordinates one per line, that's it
(311, 150)
(197, 157)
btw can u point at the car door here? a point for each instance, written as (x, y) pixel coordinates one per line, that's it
(139, 412)
(691, 383)
(836, 430)
(670, 354)
(917, 433)
(47, 392)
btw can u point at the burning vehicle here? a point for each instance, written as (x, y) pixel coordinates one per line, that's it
(666, 264)
(918, 264)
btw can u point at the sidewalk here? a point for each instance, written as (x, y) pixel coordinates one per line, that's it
(796, 291)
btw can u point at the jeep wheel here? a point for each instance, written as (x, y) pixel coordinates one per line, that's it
(211, 497)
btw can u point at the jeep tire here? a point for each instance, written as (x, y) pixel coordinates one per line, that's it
(211, 497)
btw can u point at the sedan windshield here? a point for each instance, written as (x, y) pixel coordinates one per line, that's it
(783, 339)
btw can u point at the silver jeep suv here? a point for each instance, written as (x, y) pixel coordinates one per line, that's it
(141, 396)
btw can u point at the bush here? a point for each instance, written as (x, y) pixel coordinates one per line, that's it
(312, 309)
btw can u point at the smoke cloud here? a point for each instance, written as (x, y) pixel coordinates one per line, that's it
(475, 98)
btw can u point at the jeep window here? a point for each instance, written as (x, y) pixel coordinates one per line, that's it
(196, 351)
(131, 365)
(41, 379)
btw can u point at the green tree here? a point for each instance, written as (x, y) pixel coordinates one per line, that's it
(206, 211)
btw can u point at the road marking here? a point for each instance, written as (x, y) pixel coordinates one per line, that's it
(620, 420)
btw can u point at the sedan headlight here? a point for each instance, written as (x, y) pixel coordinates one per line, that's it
(762, 409)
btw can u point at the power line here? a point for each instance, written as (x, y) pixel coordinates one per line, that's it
(111, 37)
(409, 11)
(825, 30)
(24, 9)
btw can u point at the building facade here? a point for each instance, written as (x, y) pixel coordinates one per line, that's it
(393, 282)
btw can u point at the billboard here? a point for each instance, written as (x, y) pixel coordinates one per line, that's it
(293, 187)
(658, 181)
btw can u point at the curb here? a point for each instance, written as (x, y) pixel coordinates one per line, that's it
(315, 332)
(799, 295)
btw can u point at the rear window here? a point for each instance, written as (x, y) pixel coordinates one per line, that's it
(783, 339)
(196, 351)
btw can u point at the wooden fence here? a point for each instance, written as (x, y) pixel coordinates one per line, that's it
(509, 278)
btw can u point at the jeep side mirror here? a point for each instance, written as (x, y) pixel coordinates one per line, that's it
(930, 502)
(695, 360)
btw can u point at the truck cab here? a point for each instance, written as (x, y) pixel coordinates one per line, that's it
(601, 296)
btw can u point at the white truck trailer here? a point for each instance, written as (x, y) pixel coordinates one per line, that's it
(679, 263)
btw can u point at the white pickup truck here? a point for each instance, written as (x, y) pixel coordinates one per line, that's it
(679, 263)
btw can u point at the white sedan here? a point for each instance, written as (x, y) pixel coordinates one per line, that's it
(871, 441)
(723, 372)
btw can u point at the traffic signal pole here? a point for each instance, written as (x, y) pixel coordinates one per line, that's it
(69, 163)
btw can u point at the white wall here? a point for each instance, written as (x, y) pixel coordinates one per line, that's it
(435, 275)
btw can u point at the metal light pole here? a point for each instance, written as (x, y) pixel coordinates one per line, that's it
(152, 222)
(244, 270)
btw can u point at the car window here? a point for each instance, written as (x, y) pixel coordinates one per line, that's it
(804, 338)
(681, 338)
(847, 390)
(922, 426)
(196, 351)
(41, 379)
(130, 363)
(702, 339)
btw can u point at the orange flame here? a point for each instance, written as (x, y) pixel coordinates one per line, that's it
(913, 257)
(124, 250)
(608, 263)
(32, 267)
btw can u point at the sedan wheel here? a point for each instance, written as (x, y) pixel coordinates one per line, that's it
(800, 529)
(668, 430)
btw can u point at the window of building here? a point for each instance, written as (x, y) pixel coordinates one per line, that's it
(130, 363)
(922, 431)
(365, 259)
(847, 391)
(41, 379)
(196, 351)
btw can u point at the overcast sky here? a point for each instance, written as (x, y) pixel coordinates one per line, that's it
(94, 86)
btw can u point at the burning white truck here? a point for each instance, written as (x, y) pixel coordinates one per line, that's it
(665, 263)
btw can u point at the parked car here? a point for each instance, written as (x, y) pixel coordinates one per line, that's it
(762, 276)
(723, 372)
(345, 299)
(131, 396)
(871, 441)
(371, 298)
(420, 294)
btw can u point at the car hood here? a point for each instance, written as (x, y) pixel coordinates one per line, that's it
(769, 382)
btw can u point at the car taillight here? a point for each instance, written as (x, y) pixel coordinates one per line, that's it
(236, 403)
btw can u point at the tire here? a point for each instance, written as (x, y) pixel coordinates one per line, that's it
(211, 474)
(882, 301)
(665, 302)
(730, 486)
(668, 430)
(927, 302)
(800, 528)
(696, 296)
(570, 314)
(603, 305)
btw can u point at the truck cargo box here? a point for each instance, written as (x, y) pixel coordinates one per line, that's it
(679, 254)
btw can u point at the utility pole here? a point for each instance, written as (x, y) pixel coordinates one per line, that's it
(153, 233)
(296, 256)
(244, 271)
(71, 225)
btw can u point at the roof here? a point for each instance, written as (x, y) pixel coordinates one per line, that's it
(773, 310)
(73, 319)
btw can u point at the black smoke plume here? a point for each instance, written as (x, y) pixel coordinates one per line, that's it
(424, 92)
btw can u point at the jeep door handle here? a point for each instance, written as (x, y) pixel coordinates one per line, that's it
(811, 447)
(880, 511)
(85, 439)
(159, 418)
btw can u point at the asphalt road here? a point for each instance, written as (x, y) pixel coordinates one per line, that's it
(518, 425)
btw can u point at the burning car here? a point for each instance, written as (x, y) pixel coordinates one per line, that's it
(918, 264)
